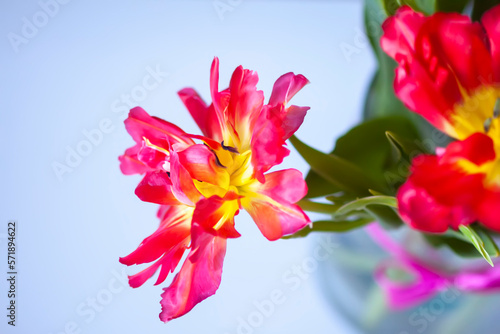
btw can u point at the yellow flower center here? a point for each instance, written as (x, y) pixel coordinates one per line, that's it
(473, 113)
(479, 112)
(239, 168)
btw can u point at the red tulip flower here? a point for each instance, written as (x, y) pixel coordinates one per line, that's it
(449, 73)
(202, 181)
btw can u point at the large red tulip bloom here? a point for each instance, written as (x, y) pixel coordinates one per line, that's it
(202, 181)
(449, 73)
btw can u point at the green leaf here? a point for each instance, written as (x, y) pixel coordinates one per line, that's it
(427, 7)
(330, 226)
(404, 146)
(362, 203)
(317, 207)
(397, 149)
(380, 208)
(385, 215)
(375, 193)
(367, 147)
(476, 240)
(489, 243)
(318, 187)
(340, 198)
(459, 245)
(336, 170)
(390, 6)
(403, 152)
(366, 144)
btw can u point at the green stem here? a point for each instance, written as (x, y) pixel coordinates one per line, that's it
(317, 207)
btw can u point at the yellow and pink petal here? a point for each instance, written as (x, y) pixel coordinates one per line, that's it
(216, 215)
(272, 204)
(204, 167)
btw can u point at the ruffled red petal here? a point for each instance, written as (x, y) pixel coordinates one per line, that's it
(199, 277)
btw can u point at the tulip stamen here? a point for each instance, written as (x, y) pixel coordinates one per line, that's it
(487, 124)
(229, 148)
(496, 114)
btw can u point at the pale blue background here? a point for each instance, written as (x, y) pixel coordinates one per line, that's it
(64, 81)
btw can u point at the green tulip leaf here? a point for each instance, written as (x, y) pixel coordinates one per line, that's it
(330, 226)
(318, 187)
(405, 147)
(476, 240)
(367, 147)
(464, 241)
(339, 172)
(489, 243)
(362, 203)
(311, 206)
(458, 244)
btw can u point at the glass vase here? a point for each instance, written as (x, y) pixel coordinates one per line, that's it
(347, 281)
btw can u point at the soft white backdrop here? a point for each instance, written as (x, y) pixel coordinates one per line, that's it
(73, 72)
